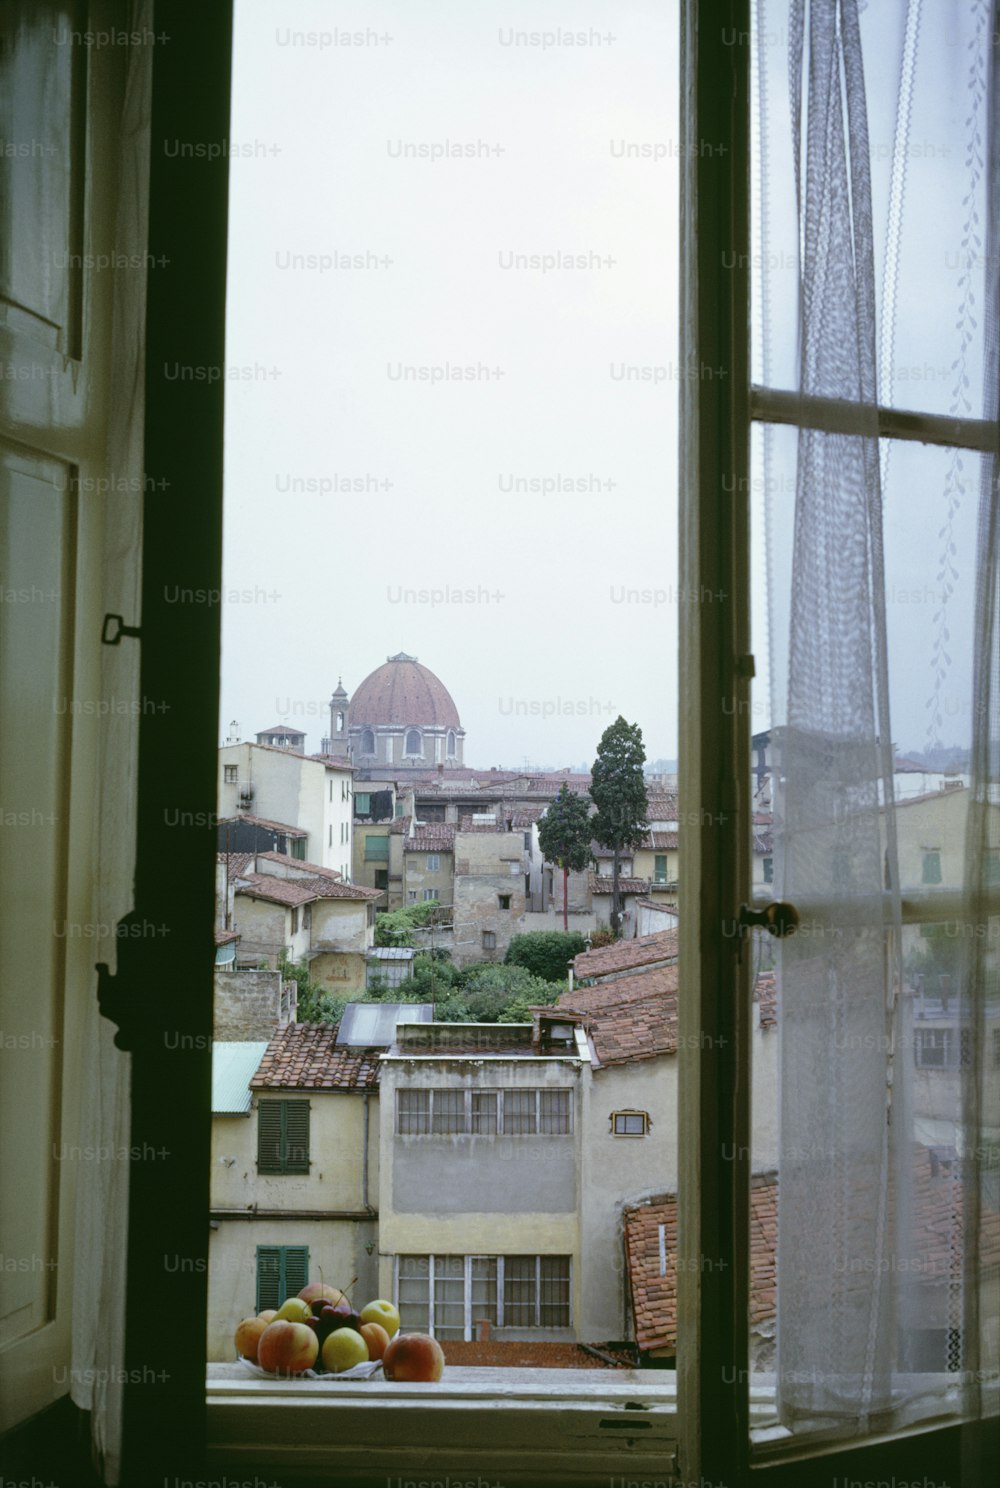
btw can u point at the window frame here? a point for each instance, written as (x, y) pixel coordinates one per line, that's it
(557, 1121)
(165, 1429)
(499, 1305)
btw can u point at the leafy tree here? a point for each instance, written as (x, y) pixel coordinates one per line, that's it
(564, 834)
(395, 927)
(517, 1010)
(618, 790)
(314, 1003)
(546, 953)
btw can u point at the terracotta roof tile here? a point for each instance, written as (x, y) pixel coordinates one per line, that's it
(238, 862)
(424, 841)
(301, 867)
(305, 1056)
(263, 821)
(630, 1018)
(621, 955)
(601, 884)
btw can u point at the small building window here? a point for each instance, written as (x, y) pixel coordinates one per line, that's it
(768, 866)
(411, 896)
(660, 868)
(504, 901)
(381, 878)
(340, 722)
(298, 849)
(377, 848)
(230, 774)
(413, 744)
(629, 1123)
(451, 743)
(430, 894)
(489, 940)
(433, 862)
(367, 741)
(295, 921)
(932, 867)
(935, 1048)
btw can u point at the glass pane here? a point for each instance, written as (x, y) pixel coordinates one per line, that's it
(554, 1291)
(414, 1293)
(554, 1111)
(518, 1111)
(449, 1296)
(927, 146)
(519, 1286)
(484, 1111)
(484, 1290)
(448, 1113)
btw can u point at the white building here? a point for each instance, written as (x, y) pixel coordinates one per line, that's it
(311, 792)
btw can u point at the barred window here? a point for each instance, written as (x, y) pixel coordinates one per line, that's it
(448, 1111)
(484, 1112)
(518, 1112)
(413, 1112)
(553, 1111)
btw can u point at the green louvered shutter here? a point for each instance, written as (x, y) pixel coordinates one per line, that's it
(269, 1124)
(296, 1137)
(282, 1272)
(268, 1277)
(296, 1268)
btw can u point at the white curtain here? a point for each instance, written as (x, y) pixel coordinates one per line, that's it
(102, 1200)
(860, 111)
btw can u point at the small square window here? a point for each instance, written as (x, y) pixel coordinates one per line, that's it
(430, 894)
(629, 1123)
(489, 940)
(411, 896)
(230, 774)
(504, 900)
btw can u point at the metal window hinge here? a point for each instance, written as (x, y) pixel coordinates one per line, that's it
(111, 637)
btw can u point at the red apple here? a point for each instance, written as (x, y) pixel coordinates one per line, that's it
(248, 1337)
(413, 1357)
(317, 1289)
(376, 1338)
(287, 1348)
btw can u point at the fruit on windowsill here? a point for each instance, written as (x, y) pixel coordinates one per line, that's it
(287, 1348)
(294, 1310)
(269, 1314)
(376, 1338)
(343, 1349)
(413, 1357)
(383, 1312)
(247, 1336)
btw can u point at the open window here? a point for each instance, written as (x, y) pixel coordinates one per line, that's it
(149, 1054)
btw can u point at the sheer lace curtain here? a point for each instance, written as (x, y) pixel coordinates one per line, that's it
(102, 1203)
(875, 291)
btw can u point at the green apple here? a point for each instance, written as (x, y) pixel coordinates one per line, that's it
(382, 1312)
(343, 1349)
(295, 1310)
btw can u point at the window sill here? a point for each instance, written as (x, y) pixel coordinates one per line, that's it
(532, 1425)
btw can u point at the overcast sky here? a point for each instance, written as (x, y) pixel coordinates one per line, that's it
(368, 261)
(538, 641)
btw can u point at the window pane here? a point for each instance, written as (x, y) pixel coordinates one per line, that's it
(448, 1111)
(554, 1291)
(519, 1289)
(518, 1112)
(484, 1290)
(449, 1296)
(554, 1111)
(413, 1110)
(414, 1293)
(484, 1111)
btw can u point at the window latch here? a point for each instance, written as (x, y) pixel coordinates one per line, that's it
(779, 919)
(114, 628)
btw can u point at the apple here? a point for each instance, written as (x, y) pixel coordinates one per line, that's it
(343, 1349)
(287, 1348)
(413, 1357)
(381, 1311)
(248, 1336)
(320, 1289)
(376, 1338)
(293, 1311)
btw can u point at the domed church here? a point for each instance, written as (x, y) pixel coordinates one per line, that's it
(402, 717)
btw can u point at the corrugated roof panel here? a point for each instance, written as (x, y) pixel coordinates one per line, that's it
(369, 1025)
(233, 1066)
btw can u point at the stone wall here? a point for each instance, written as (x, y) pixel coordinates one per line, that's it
(251, 1004)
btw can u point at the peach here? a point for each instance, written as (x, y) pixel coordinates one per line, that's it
(287, 1348)
(376, 1338)
(248, 1337)
(269, 1314)
(413, 1357)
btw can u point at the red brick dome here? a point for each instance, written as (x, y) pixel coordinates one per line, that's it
(402, 692)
